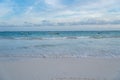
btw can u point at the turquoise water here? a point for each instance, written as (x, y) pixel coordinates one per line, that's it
(60, 44)
(58, 34)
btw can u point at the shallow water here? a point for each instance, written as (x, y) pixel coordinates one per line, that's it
(60, 44)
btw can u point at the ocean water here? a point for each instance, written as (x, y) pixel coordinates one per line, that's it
(60, 44)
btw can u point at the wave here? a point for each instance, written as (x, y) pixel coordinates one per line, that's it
(100, 37)
(58, 38)
(57, 56)
(42, 38)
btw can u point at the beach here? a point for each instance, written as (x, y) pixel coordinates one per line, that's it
(61, 69)
(59, 39)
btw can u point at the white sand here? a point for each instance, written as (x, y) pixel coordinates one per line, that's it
(61, 69)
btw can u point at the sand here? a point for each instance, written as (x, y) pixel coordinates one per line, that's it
(60, 69)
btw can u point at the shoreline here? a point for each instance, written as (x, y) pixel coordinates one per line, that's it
(31, 58)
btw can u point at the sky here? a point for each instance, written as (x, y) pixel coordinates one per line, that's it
(57, 13)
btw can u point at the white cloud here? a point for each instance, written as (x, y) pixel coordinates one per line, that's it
(5, 9)
(58, 12)
(53, 3)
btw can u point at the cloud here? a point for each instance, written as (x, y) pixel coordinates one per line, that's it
(60, 12)
(5, 9)
(53, 3)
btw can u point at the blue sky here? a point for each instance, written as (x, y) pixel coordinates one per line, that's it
(59, 12)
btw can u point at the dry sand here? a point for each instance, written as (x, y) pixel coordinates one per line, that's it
(61, 69)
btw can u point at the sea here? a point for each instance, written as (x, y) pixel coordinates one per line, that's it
(59, 44)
